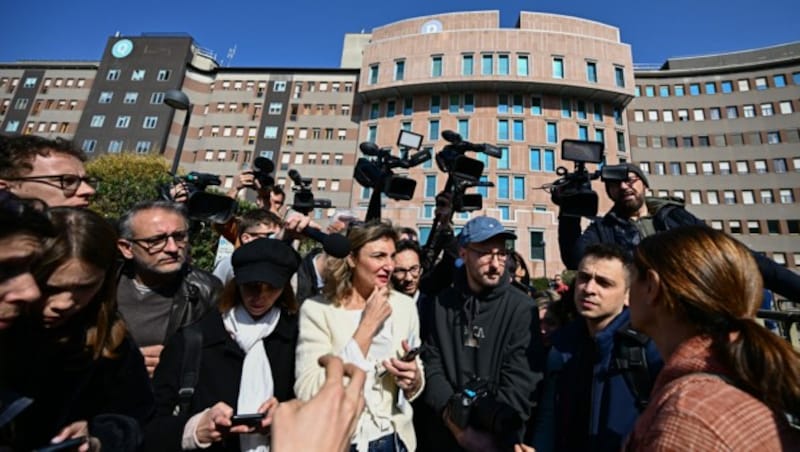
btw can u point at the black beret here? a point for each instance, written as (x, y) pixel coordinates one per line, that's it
(265, 260)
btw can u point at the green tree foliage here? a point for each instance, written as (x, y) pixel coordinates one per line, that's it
(127, 179)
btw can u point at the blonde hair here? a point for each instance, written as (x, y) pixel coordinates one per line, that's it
(338, 274)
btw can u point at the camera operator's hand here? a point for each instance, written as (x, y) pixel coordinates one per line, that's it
(376, 311)
(179, 192)
(406, 373)
(469, 438)
(444, 210)
(293, 226)
(245, 179)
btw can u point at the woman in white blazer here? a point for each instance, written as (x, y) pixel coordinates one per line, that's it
(359, 318)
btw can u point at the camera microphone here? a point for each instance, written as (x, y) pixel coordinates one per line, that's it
(295, 177)
(335, 245)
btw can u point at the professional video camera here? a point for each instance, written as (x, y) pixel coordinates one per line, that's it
(376, 172)
(262, 171)
(573, 191)
(201, 205)
(464, 172)
(304, 201)
(477, 405)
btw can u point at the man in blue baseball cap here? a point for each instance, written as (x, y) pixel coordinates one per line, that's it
(483, 342)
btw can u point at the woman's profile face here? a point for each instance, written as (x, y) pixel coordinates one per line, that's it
(70, 288)
(374, 264)
(258, 297)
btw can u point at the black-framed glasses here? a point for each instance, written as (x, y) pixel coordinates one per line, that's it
(159, 242)
(401, 273)
(488, 256)
(68, 183)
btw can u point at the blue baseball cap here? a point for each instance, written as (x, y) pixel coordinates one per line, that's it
(480, 229)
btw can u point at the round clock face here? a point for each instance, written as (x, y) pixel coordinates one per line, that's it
(431, 26)
(122, 48)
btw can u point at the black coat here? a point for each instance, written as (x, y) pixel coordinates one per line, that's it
(218, 380)
(67, 386)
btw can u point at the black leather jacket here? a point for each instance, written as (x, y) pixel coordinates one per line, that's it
(199, 291)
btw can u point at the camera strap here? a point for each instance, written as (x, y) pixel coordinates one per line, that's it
(190, 369)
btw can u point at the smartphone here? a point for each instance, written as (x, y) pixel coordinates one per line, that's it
(67, 444)
(411, 354)
(250, 420)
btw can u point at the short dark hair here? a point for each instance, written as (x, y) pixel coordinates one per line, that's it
(18, 153)
(23, 216)
(611, 251)
(404, 245)
(258, 216)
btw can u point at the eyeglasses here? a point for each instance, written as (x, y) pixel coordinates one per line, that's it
(401, 273)
(68, 183)
(630, 181)
(159, 242)
(488, 256)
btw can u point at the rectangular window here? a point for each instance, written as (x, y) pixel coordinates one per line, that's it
(157, 98)
(779, 165)
(399, 70)
(766, 197)
(786, 107)
(113, 74)
(408, 106)
(711, 88)
(773, 137)
(373, 74)
(760, 166)
(519, 130)
(430, 186)
(502, 65)
(714, 113)
(536, 106)
(123, 122)
(580, 111)
(558, 68)
(667, 115)
(517, 106)
(270, 132)
(433, 129)
(619, 77)
(467, 65)
(89, 145)
(743, 84)
(130, 97)
(650, 91)
(436, 102)
(598, 112)
(502, 129)
(537, 245)
(535, 157)
(617, 116)
(390, 109)
(454, 104)
(727, 86)
(748, 197)
(275, 108)
(138, 75)
(502, 104)
(372, 133)
(519, 187)
(712, 197)
(591, 72)
(163, 75)
(732, 111)
(552, 132)
(749, 111)
(599, 135)
(97, 121)
(486, 64)
(436, 66)
(566, 108)
(663, 90)
(583, 133)
(786, 196)
(463, 128)
(549, 160)
(621, 142)
(502, 187)
(699, 114)
(105, 97)
(522, 65)
(779, 81)
(469, 103)
(761, 83)
(374, 110)
(766, 109)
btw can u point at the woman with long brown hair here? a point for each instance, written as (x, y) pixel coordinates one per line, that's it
(728, 382)
(362, 320)
(73, 355)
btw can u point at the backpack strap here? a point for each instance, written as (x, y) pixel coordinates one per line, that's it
(630, 357)
(190, 368)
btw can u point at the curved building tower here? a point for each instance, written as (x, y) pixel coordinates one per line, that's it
(523, 89)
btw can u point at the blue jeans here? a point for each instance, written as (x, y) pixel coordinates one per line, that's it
(388, 443)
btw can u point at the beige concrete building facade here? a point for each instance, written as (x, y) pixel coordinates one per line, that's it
(723, 133)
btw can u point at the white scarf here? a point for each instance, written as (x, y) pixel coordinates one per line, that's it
(256, 385)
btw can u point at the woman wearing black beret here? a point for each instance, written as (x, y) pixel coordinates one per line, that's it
(246, 359)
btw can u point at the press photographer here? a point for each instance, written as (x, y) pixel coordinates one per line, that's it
(633, 216)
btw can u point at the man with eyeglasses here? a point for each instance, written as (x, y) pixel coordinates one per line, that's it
(484, 333)
(158, 291)
(407, 269)
(49, 170)
(634, 217)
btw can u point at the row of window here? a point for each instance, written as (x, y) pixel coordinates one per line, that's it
(138, 75)
(130, 97)
(723, 167)
(42, 127)
(732, 139)
(756, 227)
(496, 64)
(320, 109)
(123, 121)
(310, 87)
(714, 87)
(746, 197)
(30, 82)
(316, 133)
(310, 158)
(785, 107)
(117, 146)
(49, 104)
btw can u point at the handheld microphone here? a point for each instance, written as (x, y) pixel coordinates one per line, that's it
(333, 244)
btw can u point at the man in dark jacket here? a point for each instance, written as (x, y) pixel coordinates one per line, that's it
(592, 398)
(158, 291)
(634, 217)
(483, 328)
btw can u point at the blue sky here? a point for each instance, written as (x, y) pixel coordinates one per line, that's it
(309, 33)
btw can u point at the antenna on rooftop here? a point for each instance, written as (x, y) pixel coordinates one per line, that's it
(231, 54)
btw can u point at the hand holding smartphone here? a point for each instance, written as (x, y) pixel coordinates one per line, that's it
(249, 420)
(411, 355)
(67, 444)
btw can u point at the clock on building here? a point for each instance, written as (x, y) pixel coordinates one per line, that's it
(122, 48)
(431, 26)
